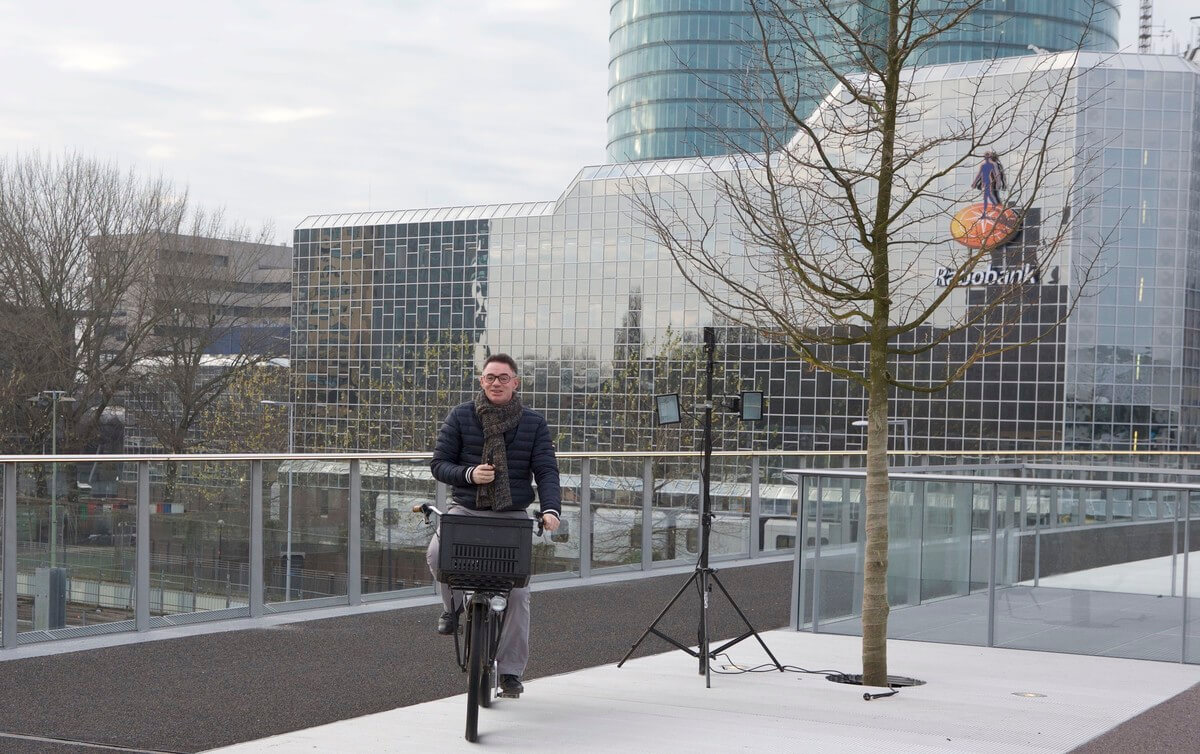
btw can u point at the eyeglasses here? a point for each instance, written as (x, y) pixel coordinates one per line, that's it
(503, 379)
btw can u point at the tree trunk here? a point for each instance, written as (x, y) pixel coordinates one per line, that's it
(875, 566)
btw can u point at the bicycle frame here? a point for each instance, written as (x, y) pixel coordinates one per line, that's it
(485, 613)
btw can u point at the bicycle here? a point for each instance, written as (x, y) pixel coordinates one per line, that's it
(485, 559)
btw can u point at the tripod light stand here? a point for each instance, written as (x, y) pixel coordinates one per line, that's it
(703, 577)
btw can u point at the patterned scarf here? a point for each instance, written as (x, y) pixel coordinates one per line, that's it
(496, 420)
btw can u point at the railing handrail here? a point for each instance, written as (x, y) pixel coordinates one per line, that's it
(905, 476)
(575, 454)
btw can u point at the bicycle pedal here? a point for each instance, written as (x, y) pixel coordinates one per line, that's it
(506, 695)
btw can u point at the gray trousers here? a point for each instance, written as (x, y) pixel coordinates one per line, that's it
(513, 653)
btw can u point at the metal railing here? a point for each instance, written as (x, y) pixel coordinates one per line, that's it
(184, 538)
(956, 536)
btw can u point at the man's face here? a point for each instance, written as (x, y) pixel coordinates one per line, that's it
(498, 382)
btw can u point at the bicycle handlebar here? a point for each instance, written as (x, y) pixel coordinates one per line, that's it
(427, 508)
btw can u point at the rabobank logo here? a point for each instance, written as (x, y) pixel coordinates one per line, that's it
(1026, 274)
(987, 224)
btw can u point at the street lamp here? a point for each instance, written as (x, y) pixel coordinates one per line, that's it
(904, 425)
(287, 577)
(53, 397)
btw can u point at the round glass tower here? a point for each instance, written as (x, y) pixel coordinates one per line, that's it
(675, 64)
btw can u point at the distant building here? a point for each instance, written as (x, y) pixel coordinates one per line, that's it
(674, 65)
(218, 301)
(600, 319)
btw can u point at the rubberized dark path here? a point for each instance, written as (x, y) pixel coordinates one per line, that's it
(211, 690)
(200, 692)
(1166, 727)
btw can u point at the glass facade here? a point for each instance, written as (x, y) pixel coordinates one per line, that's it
(679, 68)
(393, 312)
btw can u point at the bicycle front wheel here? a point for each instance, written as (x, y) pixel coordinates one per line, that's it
(477, 649)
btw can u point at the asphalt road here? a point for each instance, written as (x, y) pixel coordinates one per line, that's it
(211, 690)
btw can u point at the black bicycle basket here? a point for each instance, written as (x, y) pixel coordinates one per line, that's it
(484, 553)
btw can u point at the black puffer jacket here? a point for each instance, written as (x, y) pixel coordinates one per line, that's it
(530, 456)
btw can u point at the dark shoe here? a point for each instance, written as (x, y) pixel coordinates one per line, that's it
(448, 623)
(510, 685)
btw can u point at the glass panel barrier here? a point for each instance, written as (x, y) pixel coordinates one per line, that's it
(558, 552)
(199, 537)
(393, 537)
(730, 496)
(319, 525)
(75, 541)
(946, 546)
(834, 510)
(1099, 590)
(615, 486)
(778, 505)
(905, 504)
(675, 505)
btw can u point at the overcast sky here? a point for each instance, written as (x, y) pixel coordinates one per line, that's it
(279, 109)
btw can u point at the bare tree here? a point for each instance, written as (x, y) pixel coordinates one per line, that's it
(75, 242)
(833, 239)
(219, 295)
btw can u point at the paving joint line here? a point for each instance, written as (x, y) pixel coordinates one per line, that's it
(90, 744)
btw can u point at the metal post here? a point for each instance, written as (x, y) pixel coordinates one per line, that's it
(585, 518)
(647, 515)
(1037, 545)
(797, 619)
(755, 509)
(141, 592)
(1187, 530)
(256, 539)
(991, 619)
(816, 596)
(388, 524)
(920, 503)
(53, 481)
(8, 611)
(1175, 539)
(287, 577)
(354, 537)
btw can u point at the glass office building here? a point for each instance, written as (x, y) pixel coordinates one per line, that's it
(393, 311)
(674, 65)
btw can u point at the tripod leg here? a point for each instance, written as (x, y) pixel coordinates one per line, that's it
(703, 646)
(650, 629)
(745, 620)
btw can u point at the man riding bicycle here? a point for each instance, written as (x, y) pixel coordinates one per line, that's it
(489, 450)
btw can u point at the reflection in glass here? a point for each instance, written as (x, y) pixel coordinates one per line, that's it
(199, 537)
(91, 580)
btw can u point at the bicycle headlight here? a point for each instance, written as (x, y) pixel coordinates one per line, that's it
(499, 603)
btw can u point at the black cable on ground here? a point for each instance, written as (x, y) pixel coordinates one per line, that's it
(770, 668)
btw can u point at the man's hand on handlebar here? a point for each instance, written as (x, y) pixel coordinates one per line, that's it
(550, 520)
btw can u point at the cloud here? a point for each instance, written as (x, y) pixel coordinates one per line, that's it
(286, 114)
(264, 114)
(161, 152)
(15, 134)
(90, 57)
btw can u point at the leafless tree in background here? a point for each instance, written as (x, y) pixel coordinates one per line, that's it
(75, 243)
(830, 249)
